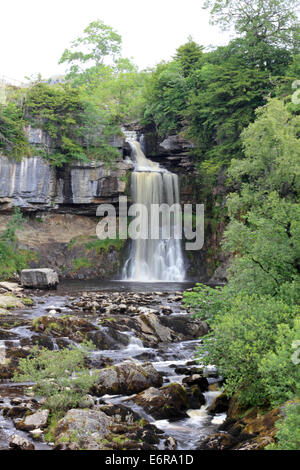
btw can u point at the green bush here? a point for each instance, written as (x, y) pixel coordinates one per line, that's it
(280, 375)
(288, 430)
(59, 376)
(12, 259)
(13, 141)
(245, 332)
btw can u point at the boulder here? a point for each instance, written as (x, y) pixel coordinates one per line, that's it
(127, 378)
(82, 429)
(198, 380)
(218, 441)
(20, 443)
(219, 405)
(39, 278)
(168, 402)
(37, 420)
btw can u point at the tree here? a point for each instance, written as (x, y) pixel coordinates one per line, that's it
(89, 52)
(189, 56)
(264, 232)
(271, 21)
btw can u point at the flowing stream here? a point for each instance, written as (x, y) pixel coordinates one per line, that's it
(166, 358)
(159, 258)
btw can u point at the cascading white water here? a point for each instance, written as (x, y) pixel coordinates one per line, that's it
(161, 259)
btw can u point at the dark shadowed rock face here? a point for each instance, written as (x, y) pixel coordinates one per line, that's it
(167, 402)
(127, 378)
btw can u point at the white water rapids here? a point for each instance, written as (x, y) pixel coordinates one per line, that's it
(154, 259)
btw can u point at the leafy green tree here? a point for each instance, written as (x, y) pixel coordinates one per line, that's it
(189, 56)
(272, 21)
(245, 329)
(166, 95)
(280, 374)
(88, 53)
(265, 213)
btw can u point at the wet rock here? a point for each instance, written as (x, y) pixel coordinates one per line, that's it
(127, 378)
(37, 420)
(39, 278)
(20, 443)
(9, 359)
(219, 405)
(170, 444)
(198, 380)
(43, 340)
(195, 397)
(168, 402)
(185, 327)
(151, 324)
(74, 328)
(218, 441)
(109, 338)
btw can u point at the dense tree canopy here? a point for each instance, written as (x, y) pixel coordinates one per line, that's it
(272, 21)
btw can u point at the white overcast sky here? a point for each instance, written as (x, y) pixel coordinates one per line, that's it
(34, 33)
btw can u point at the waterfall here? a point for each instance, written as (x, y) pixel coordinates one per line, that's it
(161, 259)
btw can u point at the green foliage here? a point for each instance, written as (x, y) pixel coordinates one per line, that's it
(189, 56)
(205, 301)
(81, 129)
(265, 214)
(106, 244)
(59, 376)
(247, 330)
(279, 369)
(13, 141)
(255, 318)
(288, 429)
(87, 53)
(82, 263)
(271, 21)
(12, 259)
(165, 96)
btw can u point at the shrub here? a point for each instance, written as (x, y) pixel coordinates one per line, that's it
(59, 376)
(245, 329)
(288, 430)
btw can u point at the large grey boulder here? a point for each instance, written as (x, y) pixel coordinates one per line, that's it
(37, 420)
(127, 378)
(83, 429)
(39, 278)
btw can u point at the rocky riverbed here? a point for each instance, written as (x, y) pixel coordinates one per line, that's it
(150, 392)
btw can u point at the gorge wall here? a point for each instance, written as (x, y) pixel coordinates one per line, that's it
(59, 205)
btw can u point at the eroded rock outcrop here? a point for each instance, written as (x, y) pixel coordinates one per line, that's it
(127, 378)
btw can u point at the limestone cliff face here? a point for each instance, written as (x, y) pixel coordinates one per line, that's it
(34, 185)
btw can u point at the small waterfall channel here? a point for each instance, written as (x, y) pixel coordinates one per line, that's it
(159, 259)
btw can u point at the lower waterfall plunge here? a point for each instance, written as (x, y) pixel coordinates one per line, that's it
(161, 259)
